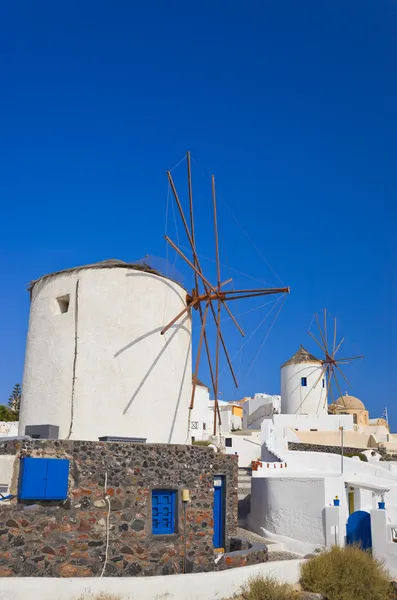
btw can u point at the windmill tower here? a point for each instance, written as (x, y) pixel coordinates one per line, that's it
(109, 345)
(303, 385)
(96, 364)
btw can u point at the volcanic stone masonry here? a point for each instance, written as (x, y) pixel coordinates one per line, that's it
(68, 539)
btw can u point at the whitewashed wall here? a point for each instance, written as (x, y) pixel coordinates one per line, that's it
(8, 428)
(296, 399)
(197, 586)
(289, 507)
(129, 379)
(247, 447)
(201, 423)
(308, 422)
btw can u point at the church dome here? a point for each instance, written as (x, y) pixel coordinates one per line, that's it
(349, 403)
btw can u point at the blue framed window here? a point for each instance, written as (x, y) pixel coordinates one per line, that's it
(164, 512)
(303, 381)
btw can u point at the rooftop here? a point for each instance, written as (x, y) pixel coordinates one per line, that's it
(112, 263)
(301, 357)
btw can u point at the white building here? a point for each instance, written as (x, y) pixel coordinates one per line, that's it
(293, 491)
(303, 385)
(96, 364)
(200, 415)
(259, 407)
(8, 428)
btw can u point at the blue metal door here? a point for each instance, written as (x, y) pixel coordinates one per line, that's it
(358, 529)
(219, 512)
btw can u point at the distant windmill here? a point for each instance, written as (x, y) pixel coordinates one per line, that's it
(204, 294)
(331, 364)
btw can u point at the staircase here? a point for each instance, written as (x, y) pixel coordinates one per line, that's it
(244, 495)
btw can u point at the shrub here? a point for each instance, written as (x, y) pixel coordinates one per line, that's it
(360, 455)
(201, 443)
(346, 574)
(268, 588)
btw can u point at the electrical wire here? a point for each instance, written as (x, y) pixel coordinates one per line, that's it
(107, 527)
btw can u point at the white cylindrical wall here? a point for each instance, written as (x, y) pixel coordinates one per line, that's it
(102, 367)
(299, 399)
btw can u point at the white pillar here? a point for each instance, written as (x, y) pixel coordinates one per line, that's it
(379, 534)
(332, 526)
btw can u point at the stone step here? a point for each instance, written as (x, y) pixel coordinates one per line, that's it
(244, 490)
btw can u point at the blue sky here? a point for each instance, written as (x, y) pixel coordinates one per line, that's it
(291, 104)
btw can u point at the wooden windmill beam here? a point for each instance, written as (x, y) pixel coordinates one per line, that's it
(198, 356)
(192, 245)
(203, 317)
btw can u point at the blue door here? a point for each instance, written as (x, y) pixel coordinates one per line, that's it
(358, 529)
(219, 512)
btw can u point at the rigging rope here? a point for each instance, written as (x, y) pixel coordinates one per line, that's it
(203, 257)
(252, 333)
(265, 337)
(242, 228)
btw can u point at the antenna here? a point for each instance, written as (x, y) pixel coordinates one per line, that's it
(204, 294)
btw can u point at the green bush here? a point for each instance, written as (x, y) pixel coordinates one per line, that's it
(346, 574)
(360, 455)
(201, 443)
(268, 588)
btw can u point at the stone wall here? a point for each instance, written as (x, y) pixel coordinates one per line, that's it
(318, 448)
(68, 539)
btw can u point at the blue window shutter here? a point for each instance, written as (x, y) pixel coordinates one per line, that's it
(304, 381)
(32, 481)
(57, 479)
(43, 479)
(163, 512)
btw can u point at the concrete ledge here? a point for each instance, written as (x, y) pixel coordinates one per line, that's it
(197, 586)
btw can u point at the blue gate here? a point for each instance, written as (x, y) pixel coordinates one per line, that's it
(358, 529)
(219, 512)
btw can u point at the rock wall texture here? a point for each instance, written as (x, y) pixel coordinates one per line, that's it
(317, 448)
(69, 539)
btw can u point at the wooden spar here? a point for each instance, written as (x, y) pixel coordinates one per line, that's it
(325, 329)
(323, 369)
(195, 269)
(225, 349)
(218, 321)
(317, 342)
(328, 384)
(192, 244)
(211, 293)
(267, 293)
(178, 316)
(322, 336)
(217, 295)
(203, 317)
(337, 384)
(227, 281)
(333, 351)
(198, 356)
(342, 373)
(350, 358)
(339, 345)
(284, 290)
